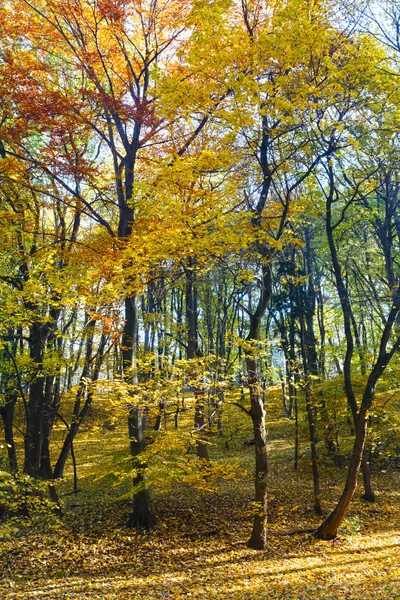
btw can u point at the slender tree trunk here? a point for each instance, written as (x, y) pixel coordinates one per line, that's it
(34, 425)
(69, 438)
(292, 352)
(369, 493)
(329, 527)
(7, 414)
(316, 366)
(220, 422)
(296, 433)
(192, 351)
(80, 412)
(200, 422)
(11, 380)
(347, 319)
(191, 311)
(286, 376)
(310, 412)
(209, 317)
(46, 472)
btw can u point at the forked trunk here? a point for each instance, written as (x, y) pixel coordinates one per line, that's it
(328, 529)
(348, 321)
(79, 413)
(69, 439)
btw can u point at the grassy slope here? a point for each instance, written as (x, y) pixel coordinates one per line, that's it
(198, 549)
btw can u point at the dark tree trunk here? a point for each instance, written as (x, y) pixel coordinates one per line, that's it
(200, 424)
(209, 317)
(308, 363)
(369, 493)
(35, 408)
(328, 529)
(191, 311)
(192, 351)
(287, 383)
(220, 414)
(80, 412)
(46, 472)
(161, 416)
(142, 516)
(296, 433)
(69, 439)
(347, 319)
(11, 380)
(176, 415)
(258, 538)
(292, 353)
(316, 365)
(7, 414)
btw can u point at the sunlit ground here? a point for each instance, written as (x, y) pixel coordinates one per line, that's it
(198, 550)
(356, 567)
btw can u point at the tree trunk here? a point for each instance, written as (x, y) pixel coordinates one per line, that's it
(308, 363)
(328, 529)
(369, 493)
(192, 351)
(142, 516)
(296, 433)
(69, 439)
(348, 318)
(11, 380)
(7, 414)
(79, 413)
(258, 538)
(199, 423)
(34, 413)
(191, 311)
(46, 472)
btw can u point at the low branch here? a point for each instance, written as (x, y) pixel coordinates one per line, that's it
(245, 410)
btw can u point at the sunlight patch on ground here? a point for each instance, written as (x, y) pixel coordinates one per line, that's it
(358, 567)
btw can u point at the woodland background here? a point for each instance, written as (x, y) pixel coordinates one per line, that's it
(200, 295)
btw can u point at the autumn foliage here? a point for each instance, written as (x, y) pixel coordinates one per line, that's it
(200, 238)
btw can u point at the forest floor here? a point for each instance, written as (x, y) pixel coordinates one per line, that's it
(198, 549)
